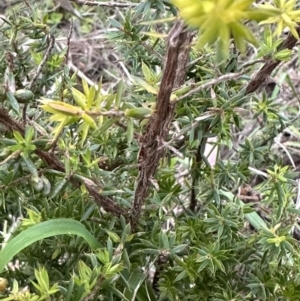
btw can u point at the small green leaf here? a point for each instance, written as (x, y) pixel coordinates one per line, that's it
(86, 88)
(29, 133)
(91, 97)
(89, 120)
(79, 98)
(138, 112)
(135, 280)
(115, 23)
(57, 188)
(145, 85)
(146, 72)
(13, 102)
(30, 166)
(18, 137)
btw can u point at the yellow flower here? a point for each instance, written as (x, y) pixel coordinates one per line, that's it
(218, 20)
(283, 14)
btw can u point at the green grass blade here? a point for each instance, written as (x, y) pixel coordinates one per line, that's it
(43, 230)
(254, 219)
(135, 281)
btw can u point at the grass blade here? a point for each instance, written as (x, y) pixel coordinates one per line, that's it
(43, 230)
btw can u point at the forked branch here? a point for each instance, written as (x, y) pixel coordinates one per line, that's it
(270, 65)
(54, 163)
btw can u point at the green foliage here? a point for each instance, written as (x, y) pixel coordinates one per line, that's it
(72, 144)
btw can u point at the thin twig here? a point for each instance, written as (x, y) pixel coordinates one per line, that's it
(159, 56)
(252, 63)
(83, 76)
(111, 113)
(212, 82)
(201, 58)
(286, 151)
(178, 136)
(258, 172)
(106, 4)
(171, 148)
(27, 4)
(51, 40)
(121, 64)
(43, 62)
(14, 155)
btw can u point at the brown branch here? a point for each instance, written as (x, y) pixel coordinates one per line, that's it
(54, 163)
(151, 150)
(9, 123)
(270, 65)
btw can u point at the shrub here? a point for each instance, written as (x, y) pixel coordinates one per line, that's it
(138, 157)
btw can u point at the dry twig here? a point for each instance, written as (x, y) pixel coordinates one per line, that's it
(158, 127)
(106, 3)
(212, 82)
